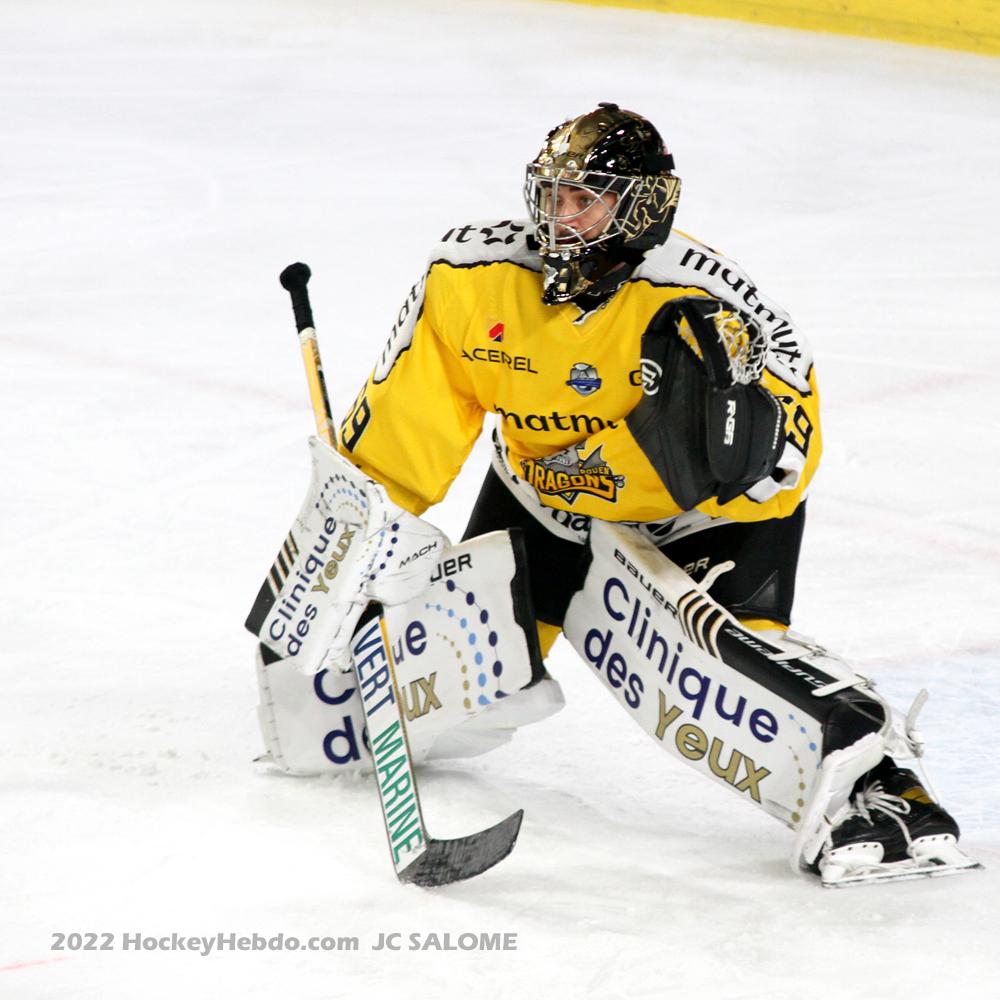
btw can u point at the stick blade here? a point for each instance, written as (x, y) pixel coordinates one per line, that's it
(447, 861)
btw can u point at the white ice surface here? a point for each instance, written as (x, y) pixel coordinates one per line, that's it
(160, 162)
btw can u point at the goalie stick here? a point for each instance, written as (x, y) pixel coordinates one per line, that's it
(417, 857)
(294, 280)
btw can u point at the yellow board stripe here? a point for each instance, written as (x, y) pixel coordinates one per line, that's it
(970, 25)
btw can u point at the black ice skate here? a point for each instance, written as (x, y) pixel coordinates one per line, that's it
(891, 829)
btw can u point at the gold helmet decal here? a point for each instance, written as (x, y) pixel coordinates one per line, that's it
(601, 192)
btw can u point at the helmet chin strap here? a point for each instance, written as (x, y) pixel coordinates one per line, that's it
(593, 275)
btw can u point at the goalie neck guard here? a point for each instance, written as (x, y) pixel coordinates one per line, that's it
(600, 194)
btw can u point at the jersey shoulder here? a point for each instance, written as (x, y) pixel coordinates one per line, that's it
(490, 242)
(683, 260)
(443, 295)
(686, 262)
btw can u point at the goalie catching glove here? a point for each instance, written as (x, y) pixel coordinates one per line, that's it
(349, 546)
(705, 423)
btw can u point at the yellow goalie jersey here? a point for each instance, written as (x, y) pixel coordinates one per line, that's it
(474, 337)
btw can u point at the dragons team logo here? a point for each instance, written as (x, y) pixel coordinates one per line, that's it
(584, 378)
(569, 473)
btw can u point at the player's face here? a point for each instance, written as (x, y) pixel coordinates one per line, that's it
(582, 213)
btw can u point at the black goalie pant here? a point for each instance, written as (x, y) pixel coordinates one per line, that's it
(762, 584)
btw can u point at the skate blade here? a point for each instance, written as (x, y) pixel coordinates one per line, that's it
(837, 876)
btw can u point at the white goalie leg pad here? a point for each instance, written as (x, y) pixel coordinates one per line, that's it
(660, 644)
(464, 662)
(775, 717)
(755, 712)
(350, 545)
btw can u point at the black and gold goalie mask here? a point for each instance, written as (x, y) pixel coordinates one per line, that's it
(600, 194)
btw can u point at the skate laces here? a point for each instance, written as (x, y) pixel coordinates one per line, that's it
(875, 799)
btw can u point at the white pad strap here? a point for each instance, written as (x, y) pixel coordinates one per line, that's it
(835, 686)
